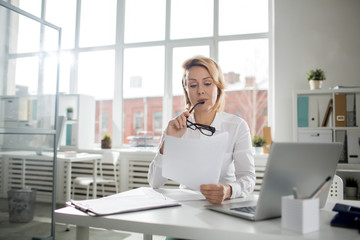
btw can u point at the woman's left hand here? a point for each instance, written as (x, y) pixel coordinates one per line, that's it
(216, 193)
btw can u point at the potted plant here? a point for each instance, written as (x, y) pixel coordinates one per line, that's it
(69, 113)
(106, 141)
(315, 78)
(258, 142)
(351, 188)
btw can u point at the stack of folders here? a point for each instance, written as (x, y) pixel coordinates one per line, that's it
(317, 110)
(345, 109)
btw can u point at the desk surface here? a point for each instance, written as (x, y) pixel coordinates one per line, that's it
(193, 221)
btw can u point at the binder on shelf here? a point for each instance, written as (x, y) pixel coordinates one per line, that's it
(74, 141)
(23, 109)
(357, 109)
(326, 121)
(313, 111)
(340, 110)
(34, 109)
(350, 110)
(353, 146)
(68, 134)
(340, 136)
(267, 137)
(303, 114)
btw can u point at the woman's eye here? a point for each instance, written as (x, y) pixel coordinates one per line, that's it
(193, 85)
(207, 84)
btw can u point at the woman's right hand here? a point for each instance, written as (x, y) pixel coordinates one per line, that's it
(177, 126)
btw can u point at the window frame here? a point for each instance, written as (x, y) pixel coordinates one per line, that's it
(169, 45)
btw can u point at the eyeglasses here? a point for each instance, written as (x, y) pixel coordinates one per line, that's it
(204, 129)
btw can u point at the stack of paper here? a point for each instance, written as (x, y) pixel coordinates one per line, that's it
(193, 162)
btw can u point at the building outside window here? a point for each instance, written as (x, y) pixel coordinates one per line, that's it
(157, 124)
(138, 121)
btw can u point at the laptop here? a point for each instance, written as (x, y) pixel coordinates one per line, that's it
(301, 165)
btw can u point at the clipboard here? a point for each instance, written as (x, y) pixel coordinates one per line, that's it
(122, 203)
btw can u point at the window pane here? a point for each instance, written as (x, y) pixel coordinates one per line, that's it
(24, 34)
(144, 72)
(103, 119)
(96, 74)
(245, 67)
(243, 16)
(191, 19)
(31, 6)
(138, 121)
(50, 74)
(144, 20)
(157, 121)
(25, 72)
(180, 54)
(51, 39)
(66, 63)
(98, 22)
(55, 12)
(143, 88)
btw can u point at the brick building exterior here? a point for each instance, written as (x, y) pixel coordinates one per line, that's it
(250, 104)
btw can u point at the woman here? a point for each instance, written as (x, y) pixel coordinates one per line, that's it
(203, 85)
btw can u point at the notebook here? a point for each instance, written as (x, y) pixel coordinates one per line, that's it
(301, 165)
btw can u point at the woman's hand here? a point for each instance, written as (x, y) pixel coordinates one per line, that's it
(177, 126)
(216, 193)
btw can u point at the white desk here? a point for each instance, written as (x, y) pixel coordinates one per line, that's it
(193, 221)
(80, 157)
(46, 162)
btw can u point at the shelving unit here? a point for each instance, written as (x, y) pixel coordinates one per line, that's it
(331, 115)
(82, 122)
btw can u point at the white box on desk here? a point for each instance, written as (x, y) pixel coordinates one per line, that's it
(300, 215)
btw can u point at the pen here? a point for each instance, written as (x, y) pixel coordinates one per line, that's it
(321, 188)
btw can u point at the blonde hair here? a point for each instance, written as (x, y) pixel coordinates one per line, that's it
(216, 74)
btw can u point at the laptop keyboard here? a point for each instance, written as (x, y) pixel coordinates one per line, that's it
(250, 209)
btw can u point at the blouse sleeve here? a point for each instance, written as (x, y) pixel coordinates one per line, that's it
(244, 163)
(155, 177)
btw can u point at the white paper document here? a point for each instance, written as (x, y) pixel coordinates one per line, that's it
(193, 162)
(180, 195)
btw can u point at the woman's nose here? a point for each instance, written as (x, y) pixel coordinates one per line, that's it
(200, 90)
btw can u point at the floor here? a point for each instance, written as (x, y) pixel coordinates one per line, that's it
(40, 227)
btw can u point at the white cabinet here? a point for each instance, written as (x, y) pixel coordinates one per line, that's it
(79, 131)
(330, 116)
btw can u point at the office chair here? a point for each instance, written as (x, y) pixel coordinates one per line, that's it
(336, 189)
(86, 181)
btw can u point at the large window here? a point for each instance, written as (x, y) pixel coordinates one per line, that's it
(128, 55)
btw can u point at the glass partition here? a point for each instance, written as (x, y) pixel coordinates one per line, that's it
(28, 79)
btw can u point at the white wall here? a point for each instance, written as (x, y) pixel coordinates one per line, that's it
(312, 34)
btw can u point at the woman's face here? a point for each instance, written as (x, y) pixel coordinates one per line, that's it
(201, 88)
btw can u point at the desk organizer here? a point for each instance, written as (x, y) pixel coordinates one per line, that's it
(300, 215)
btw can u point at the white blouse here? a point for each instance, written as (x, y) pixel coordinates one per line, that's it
(238, 168)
